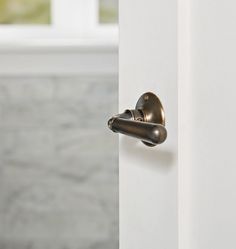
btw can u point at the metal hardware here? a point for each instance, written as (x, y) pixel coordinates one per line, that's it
(145, 122)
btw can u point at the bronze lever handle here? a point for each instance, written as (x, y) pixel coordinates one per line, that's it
(145, 122)
(150, 133)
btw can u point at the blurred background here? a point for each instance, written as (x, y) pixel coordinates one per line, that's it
(58, 160)
(39, 11)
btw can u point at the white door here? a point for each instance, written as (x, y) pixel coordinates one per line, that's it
(180, 194)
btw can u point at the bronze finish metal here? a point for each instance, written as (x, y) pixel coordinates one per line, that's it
(145, 122)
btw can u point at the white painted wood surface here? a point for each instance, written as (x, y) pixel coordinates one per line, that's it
(205, 171)
(148, 176)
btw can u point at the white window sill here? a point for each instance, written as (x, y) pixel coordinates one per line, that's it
(59, 57)
(59, 45)
(40, 38)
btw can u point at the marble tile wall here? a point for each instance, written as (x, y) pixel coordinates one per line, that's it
(58, 163)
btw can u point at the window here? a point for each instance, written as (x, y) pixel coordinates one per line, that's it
(25, 11)
(58, 19)
(108, 11)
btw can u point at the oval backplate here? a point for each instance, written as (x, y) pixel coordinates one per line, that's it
(152, 109)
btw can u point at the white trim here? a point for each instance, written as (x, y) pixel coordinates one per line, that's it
(59, 61)
(19, 32)
(74, 14)
(60, 45)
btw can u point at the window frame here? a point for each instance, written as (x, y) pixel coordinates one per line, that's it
(72, 22)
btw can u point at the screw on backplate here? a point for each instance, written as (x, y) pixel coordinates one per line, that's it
(146, 97)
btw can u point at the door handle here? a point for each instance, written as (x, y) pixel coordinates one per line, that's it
(146, 122)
